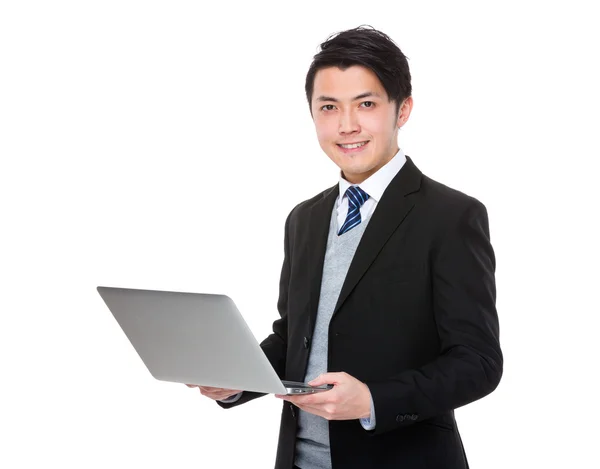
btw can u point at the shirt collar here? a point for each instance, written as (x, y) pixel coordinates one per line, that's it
(376, 184)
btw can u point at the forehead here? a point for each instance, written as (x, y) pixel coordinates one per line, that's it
(346, 84)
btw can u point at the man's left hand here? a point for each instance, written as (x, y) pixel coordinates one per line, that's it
(349, 399)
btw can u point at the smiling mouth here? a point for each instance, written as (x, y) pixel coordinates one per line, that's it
(352, 146)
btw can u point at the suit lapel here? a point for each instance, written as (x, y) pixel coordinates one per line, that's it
(318, 231)
(390, 212)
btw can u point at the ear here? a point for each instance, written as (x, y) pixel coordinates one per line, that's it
(404, 111)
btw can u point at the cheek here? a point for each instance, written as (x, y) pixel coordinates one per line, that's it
(326, 132)
(378, 125)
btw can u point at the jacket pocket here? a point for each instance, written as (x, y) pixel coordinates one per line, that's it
(439, 424)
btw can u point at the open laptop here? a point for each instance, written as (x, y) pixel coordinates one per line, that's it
(196, 338)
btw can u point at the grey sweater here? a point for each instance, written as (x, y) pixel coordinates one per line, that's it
(312, 443)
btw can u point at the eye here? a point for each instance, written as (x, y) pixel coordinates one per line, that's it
(369, 103)
(327, 107)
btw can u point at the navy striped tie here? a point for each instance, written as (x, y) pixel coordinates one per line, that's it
(356, 197)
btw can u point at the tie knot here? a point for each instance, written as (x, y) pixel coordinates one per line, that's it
(356, 196)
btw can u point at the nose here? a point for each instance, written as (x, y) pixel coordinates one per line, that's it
(348, 123)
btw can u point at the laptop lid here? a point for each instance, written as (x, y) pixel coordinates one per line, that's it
(192, 338)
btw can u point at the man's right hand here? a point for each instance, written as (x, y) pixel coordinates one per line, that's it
(217, 394)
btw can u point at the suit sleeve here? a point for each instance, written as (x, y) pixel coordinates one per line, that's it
(470, 362)
(275, 345)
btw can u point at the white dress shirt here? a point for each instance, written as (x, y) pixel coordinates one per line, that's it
(375, 186)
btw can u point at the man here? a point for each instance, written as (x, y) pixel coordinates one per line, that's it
(387, 288)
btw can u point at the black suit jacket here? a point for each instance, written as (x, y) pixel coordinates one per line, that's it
(416, 321)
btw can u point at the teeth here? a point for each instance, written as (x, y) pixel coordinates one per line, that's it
(354, 145)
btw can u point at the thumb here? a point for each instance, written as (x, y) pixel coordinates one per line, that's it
(325, 378)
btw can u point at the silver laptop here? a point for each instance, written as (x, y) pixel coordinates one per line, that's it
(196, 338)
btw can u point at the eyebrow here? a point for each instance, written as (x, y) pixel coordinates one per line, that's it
(356, 98)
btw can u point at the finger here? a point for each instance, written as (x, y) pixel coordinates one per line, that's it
(228, 392)
(220, 393)
(326, 378)
(210, 393)
(314, 410)
(209, 388)
(213, 389)
(311, 400)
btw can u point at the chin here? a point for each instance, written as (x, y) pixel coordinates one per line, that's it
(355, 173)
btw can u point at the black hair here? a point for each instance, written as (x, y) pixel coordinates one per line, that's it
(369, 48)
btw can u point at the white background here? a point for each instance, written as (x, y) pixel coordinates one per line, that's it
(132, 132)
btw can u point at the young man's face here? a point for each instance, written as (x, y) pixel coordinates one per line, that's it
(352, 107)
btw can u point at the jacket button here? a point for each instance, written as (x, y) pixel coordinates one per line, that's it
(400, 418)
(306, 342)
(292, 409)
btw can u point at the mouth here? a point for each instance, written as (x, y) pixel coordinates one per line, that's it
(353, 147)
